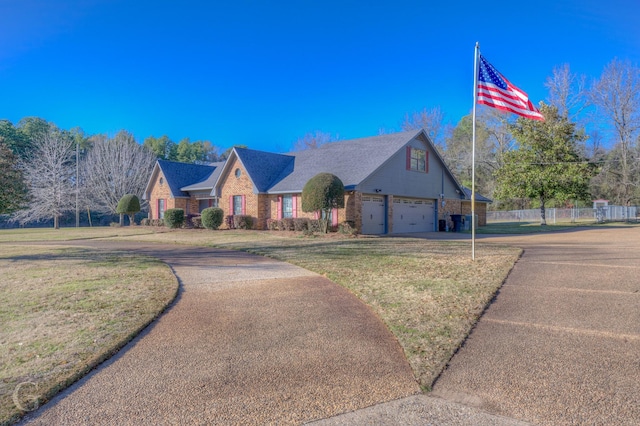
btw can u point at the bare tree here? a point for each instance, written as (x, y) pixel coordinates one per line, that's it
(49, 174)
(616, 96)
(567, 92)
(313, 140)
(496, 124)
(115, 167)
(432, 121)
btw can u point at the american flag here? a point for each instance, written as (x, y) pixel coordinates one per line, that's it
(496, 91)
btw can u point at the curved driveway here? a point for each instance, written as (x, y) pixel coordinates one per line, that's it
(249, 341)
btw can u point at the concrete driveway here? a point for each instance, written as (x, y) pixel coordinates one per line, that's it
(560, 345)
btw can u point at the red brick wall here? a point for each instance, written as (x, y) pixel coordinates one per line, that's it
(232, 185)
(452, 206)
(349, 212)
(160, 191)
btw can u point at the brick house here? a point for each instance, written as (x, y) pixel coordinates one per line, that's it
(394, 183)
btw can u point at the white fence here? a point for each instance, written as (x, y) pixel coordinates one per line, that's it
(602, 214)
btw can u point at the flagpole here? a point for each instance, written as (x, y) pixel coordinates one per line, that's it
(473, 153)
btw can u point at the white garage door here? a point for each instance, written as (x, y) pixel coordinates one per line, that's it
(413, 215)
(373, 214)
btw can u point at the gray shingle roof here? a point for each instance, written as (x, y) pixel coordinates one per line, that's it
(264, 168)
(208, 183)
(179, 175)
(479, 197)
(352, 161)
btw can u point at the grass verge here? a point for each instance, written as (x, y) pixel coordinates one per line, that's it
(64, 310)
(67, 234)
(535, 227)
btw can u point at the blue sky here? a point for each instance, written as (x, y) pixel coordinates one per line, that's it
(264, 73)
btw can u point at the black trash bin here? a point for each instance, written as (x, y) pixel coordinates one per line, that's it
(457, 222)
(442, 225)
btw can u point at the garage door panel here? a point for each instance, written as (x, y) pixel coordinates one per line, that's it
(413, 215)
(373, 215)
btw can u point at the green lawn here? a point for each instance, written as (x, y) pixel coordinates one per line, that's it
(64, 310)
(535, 227)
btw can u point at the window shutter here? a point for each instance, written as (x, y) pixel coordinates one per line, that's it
(334, 217)
(244, 205)
(230, 205)
(294, 201)
(426, 162)
(279, 208)
(408, 158)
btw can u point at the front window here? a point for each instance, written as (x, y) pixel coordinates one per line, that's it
(287, 206)
(237, 204)
(418, 160)
(161, 208)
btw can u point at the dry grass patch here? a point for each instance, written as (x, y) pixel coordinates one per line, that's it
(67, 234)
(65, 310)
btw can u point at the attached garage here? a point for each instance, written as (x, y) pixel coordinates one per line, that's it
(413, 215)
(373, 214)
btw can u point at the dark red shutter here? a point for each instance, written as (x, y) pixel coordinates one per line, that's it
(408, 158)
(279, 208)
(294, 201)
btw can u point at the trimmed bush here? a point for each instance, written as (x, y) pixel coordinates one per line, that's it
(315, 225)
(287, 224)
(196, 222)
(300, 224)
(323, 192)
(241, 221)
(212, 217)
(129, 204)
(347, 227)
(174, 218)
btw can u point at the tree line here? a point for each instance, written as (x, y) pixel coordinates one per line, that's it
(47, 172)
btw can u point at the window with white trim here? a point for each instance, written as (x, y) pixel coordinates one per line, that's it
(287, 206)
(237, 204)
(161, 208)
